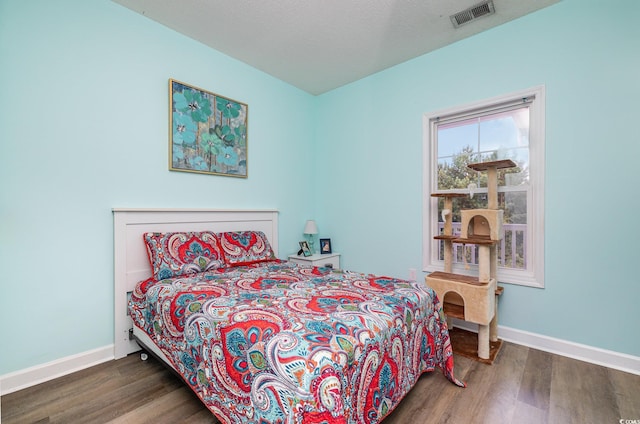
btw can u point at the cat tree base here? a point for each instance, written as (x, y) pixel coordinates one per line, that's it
(466, 298)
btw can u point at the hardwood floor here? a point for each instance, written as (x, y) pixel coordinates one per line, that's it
(523, 386)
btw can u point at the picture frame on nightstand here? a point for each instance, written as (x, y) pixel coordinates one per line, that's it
(304, 249)
(325, 246)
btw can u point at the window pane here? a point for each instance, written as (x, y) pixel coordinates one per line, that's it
(453, 172)
(501, 135)
(504, 130)
(514, 204)
(455, 136)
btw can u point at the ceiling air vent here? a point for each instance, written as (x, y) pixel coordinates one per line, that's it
(474, 12)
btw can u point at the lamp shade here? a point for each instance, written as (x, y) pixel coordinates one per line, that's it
(310, 227)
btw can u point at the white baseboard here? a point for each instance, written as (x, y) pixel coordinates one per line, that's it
(28, 377)
(594, 355)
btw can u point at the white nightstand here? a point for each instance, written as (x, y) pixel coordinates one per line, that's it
(332, 259)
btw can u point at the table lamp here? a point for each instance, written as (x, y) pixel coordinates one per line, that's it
(310, 231)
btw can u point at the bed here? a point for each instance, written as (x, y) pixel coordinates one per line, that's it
(263, 340)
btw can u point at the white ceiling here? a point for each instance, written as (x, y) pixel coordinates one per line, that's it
(319, 45)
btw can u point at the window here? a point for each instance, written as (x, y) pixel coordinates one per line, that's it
(507, 127)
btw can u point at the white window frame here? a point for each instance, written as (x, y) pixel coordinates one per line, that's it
(533, 275)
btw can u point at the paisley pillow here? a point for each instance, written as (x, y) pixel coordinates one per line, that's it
(175, 254)
(245, 247)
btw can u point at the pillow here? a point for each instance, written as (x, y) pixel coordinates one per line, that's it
(245, 247)
(176, 254)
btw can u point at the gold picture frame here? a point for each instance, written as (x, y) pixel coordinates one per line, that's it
(207, 132)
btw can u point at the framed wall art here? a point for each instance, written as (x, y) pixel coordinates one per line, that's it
(207, 132)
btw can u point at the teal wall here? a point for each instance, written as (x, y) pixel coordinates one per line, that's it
(83, 129)
(587, 54)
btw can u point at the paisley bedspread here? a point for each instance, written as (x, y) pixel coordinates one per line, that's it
(281, 343)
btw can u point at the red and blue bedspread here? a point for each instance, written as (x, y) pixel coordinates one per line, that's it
(281, 343)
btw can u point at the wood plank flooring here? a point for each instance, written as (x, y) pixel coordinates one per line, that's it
(523, 386)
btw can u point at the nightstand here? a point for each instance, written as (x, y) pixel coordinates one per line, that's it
(318, 259)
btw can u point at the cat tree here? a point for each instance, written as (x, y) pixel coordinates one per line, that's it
(473, 299)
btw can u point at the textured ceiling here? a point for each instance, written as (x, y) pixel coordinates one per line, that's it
(319, 45)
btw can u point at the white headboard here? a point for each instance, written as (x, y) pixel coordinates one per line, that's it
(131, 263)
